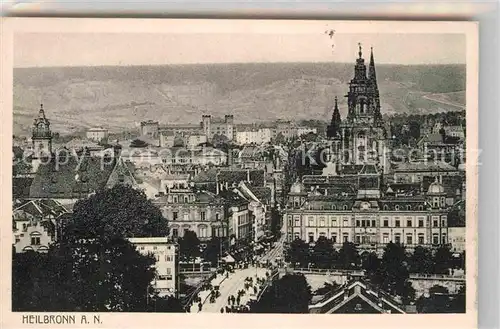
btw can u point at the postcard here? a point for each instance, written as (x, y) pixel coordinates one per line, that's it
(258, 173)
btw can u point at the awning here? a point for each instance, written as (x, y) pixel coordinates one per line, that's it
(228, 259)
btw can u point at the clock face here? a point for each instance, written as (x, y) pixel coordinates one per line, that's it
(365, 205)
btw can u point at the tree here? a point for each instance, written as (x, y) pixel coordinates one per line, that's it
(189, 245)
(438, 301)
(83, 277)
(442, 260)
(371, 264)
(118, 212)
(279, 139)
(275, 223)
(349, 256)
(94, 268)
(290, 294)
(298, 252)
(323, 254)
(421, 261)
(212, 251)
(327, 287)
(137, 143)
(165, 305)
(393, 273)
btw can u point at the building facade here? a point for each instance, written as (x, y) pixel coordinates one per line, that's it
(165, 252)
(371, 220)
(212, 126)
(98, 134)
(188, 210)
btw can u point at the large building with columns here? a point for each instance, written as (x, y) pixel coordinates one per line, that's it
(371, 219)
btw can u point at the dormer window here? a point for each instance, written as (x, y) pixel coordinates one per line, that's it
(396, 208)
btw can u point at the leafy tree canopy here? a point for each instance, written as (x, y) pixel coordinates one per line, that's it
(119, 212)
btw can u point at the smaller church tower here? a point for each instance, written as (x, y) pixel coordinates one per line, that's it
(333, 130)
(41, 138)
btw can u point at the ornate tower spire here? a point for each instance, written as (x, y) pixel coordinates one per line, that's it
(333, 130)
(372, 75)
(360, 52)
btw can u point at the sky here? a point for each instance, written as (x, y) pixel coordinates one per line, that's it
(95, 49)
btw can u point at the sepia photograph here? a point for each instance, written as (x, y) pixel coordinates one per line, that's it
(243, 167)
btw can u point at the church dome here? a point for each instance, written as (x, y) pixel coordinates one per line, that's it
(435, 188)
(297, 188)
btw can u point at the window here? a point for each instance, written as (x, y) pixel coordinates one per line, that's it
(420, 239)
(386, 207)
(443, 223)
(435, 239)
(358, 239)
(311, 237)
(396, 207)
(443, 239)
(334, 238)
(142, 248)
(397, 223)
(397, 238)
(168, 258)
(169, 271)
(435, 223)
(408, 207)
(420, 207)
(334, 223)
(373, 223)
(322, 223)
(311, 221)
(346, 237)
(175, 233)
(217, 217)
(345, 207)
(297, 222)
(385, 238)
(175, 199)
(35, 240)
(408, 223)
(186, 216)
(420, 223)
(358, 223)
(386, 223)
(175, 215)
(364, 239)
(203, 232)
(203, 215)
(409, 239)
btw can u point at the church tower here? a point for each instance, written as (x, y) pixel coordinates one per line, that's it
(363, 134)
(41, 139)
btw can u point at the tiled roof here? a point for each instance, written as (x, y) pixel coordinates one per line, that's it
(69, 179)
(262, 193)
(450, 184)
(21, 187)
(424, 166)
(368, 169)
(230, 176)
(351, 169)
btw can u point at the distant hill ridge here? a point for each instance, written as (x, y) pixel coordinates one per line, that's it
(119, 97)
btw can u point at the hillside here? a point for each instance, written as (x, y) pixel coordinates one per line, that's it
(120, 97)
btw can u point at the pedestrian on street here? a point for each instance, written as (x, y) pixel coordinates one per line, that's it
(222, 309)
(199, 307)
(238, 300)
(255, 290)
(229, 299)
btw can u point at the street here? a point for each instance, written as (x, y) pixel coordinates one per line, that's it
(231, 286)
